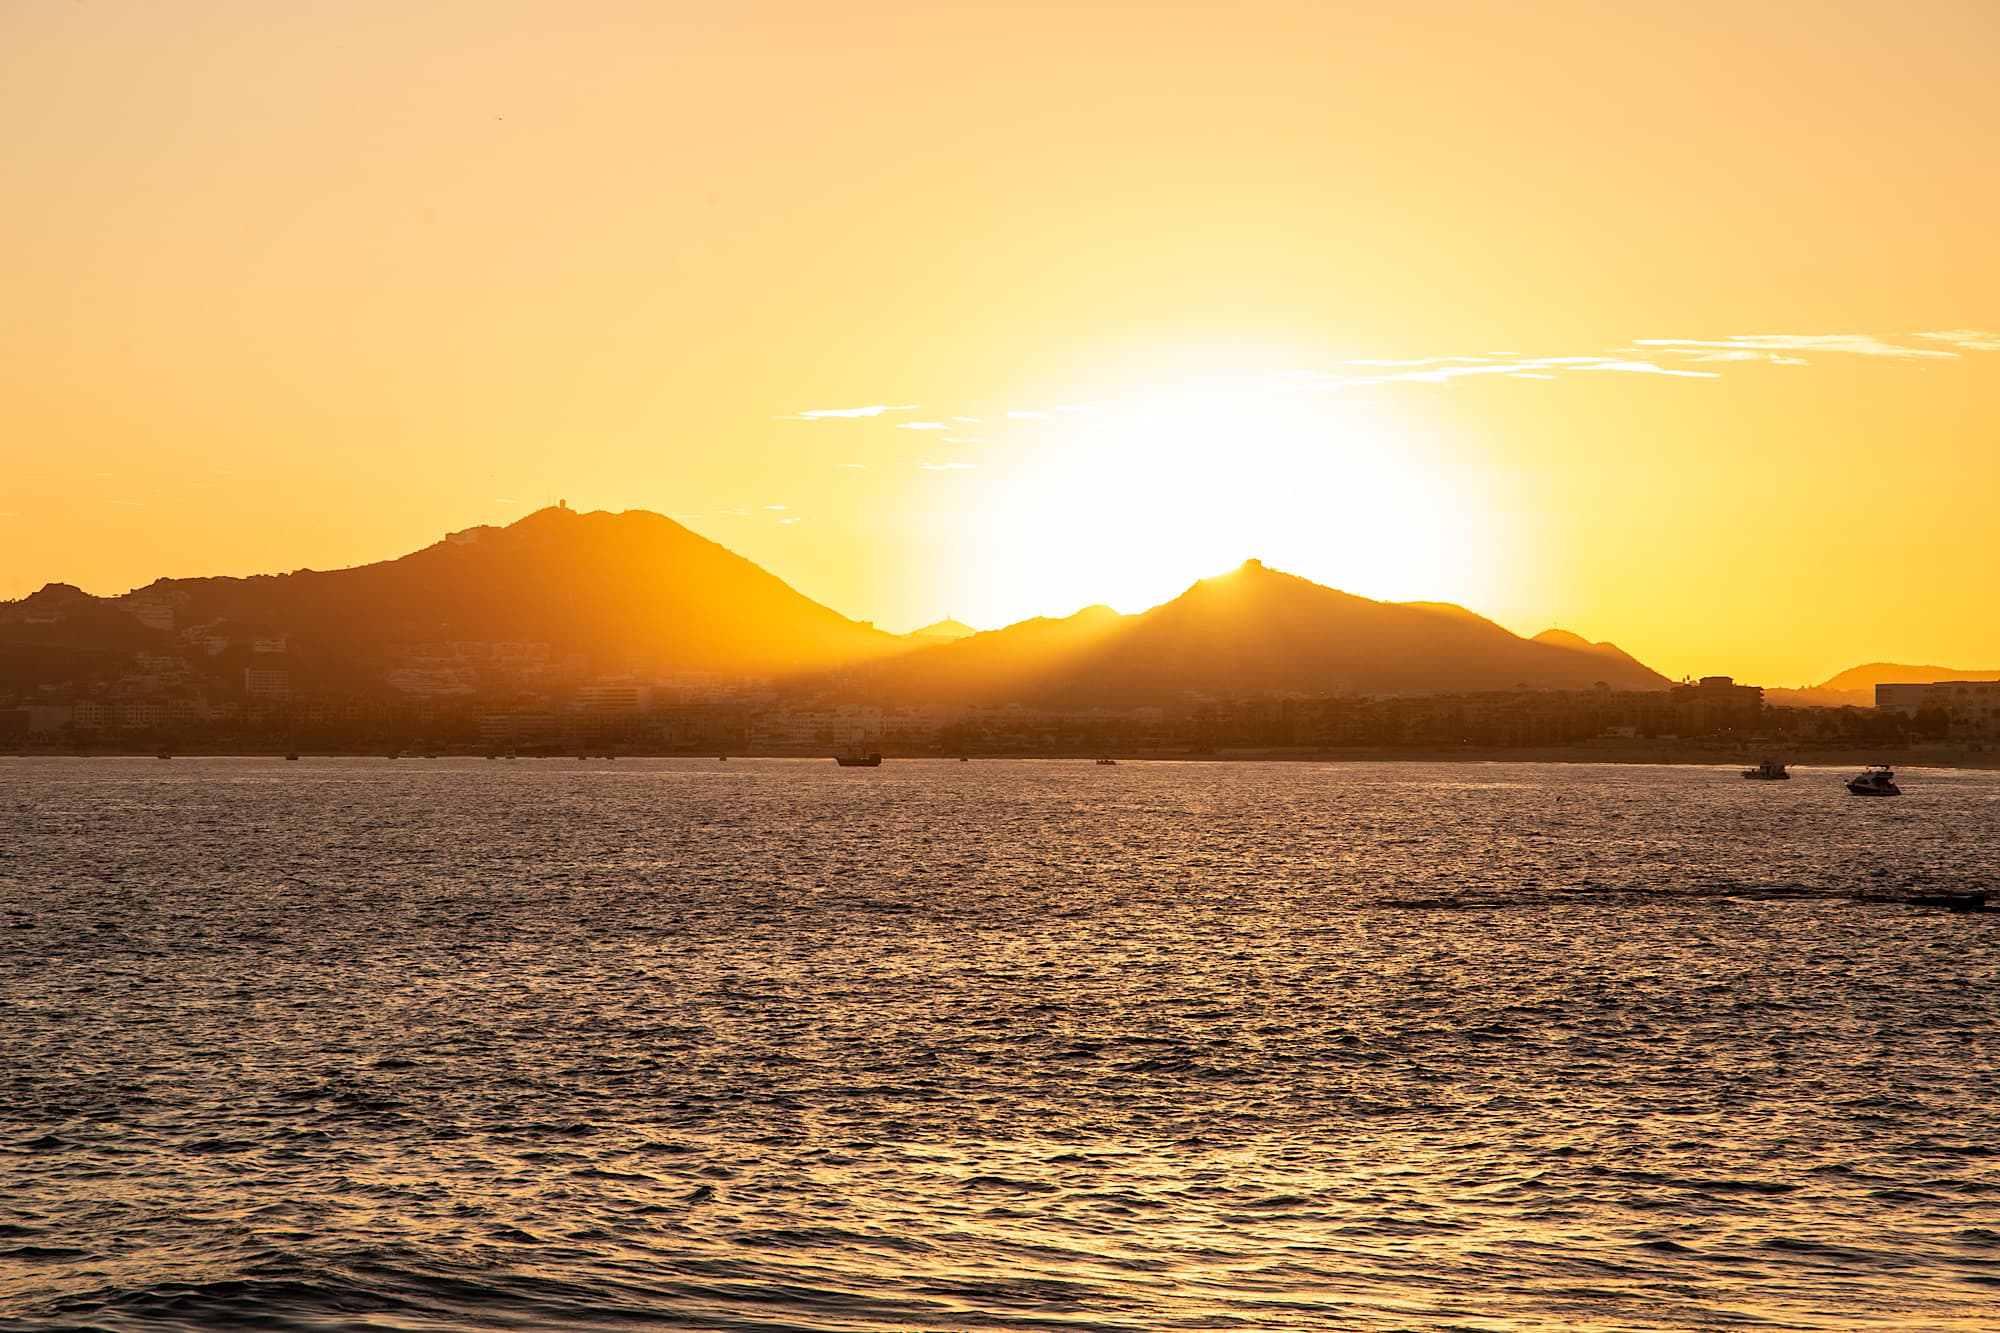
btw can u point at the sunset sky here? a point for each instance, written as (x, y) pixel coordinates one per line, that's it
(1677, 325)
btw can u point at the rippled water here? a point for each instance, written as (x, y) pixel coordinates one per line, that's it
(1014, 1045)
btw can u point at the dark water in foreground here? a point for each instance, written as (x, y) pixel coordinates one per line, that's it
(775, 1045)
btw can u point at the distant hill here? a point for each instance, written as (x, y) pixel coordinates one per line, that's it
(603, 593)
(944, 631)
(1247, 633)
(613, 592)
(1003, 665)
(1855, 687)
(62, 633)
(1562, 638)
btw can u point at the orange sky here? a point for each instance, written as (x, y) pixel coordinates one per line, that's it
(309, 284)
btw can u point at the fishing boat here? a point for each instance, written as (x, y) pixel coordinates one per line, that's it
(858, 759)
(1768, 771)
(1875, 780)
(1106, 759)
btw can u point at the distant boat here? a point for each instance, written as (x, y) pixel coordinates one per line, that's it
(1106, 759)
(164, 753)
(1768, 771)
(292, 755)
(858, 759)
(1875, 780)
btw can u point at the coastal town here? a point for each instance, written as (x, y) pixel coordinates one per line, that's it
(222, 696)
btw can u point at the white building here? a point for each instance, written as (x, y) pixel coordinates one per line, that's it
(1970, 706)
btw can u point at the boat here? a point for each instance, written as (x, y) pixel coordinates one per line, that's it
(1875, 780)
(1106, 759)
(858, 759)
(292, 755)
(1768, 771)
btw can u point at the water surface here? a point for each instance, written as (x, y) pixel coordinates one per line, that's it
(998, 1046)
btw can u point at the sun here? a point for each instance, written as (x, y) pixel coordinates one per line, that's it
(1129, 497)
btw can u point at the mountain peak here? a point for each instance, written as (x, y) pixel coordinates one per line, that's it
(944, 631)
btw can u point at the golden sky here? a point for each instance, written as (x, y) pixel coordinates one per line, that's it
(1673, 325)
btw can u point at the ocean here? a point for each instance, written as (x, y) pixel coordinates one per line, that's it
(1000, 1045)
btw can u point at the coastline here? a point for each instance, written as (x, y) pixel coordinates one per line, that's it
(1936, 755)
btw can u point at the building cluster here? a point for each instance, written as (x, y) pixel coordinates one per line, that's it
(1958, 709)
(497, 698)
(221, 685)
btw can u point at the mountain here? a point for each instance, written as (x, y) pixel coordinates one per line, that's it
(944, 631)
(1855, 687)
(610, 592)
(567, 595)
(1003, 665)
(1562, 638)
(62, 633)
(1247, 633)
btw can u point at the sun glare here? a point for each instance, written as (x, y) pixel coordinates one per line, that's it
(1130, 497)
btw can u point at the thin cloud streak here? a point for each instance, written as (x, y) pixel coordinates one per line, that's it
(1648, 368)
(821, 413)
(1856, 344)
(1972, 340)
(1675, 358)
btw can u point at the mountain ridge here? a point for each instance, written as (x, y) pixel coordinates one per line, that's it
(636, 592)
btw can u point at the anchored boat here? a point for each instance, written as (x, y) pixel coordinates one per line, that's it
(1875, 780)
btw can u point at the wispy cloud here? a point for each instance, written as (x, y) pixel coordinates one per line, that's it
(1708, 358)
(1648, 368)
(819, 413)
(1420, 361)
(1852, 344)
(1972, 340)
(1648, 356)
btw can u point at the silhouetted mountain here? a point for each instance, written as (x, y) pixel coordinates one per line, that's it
(62, 633)
(1250, 632)
(611, 592)
(603, 593)
(1002, 665)
(1855, 687)
(1562, 638)
(944, 631)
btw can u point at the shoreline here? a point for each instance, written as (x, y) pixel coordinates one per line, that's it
(1944, 756)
